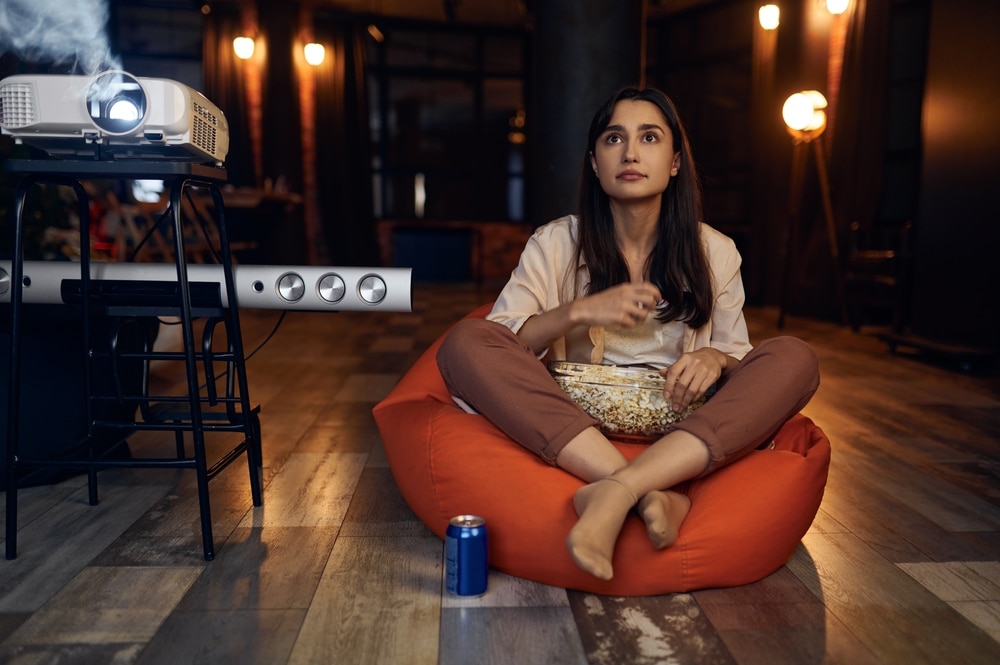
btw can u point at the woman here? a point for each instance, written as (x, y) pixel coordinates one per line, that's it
(635, 279)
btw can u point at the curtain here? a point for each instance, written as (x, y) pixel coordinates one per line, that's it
(343, 145)
(857, 154)
(225, 85)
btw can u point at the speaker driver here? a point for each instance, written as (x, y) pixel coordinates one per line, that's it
(291, 287)
(332, 288)
(372, 289)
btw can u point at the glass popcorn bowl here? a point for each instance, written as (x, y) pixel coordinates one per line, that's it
(628, 401)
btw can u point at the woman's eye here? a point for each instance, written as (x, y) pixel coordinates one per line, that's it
(614, 138)
(650, 138)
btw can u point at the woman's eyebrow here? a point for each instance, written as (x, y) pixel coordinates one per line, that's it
(642, 128)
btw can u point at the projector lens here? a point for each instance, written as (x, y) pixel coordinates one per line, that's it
(124, 110)
(116, 103)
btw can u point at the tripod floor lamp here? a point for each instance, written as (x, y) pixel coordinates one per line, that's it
(805, 119)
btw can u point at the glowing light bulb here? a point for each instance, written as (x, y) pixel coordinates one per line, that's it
(769, 16)
(243, 47)
(314, 53)
(837, 6)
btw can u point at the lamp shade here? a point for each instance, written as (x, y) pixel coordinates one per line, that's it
(803, 111)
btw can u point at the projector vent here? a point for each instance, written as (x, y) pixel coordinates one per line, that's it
(17, 105)
(203, 129)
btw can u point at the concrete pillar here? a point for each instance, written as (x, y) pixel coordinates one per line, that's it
(582, 51)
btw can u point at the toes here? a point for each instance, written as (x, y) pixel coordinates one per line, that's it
(590, 559)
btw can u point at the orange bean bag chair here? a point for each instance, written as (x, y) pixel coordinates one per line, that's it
(746, 519)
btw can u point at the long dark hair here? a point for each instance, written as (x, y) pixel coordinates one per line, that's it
(677, 265)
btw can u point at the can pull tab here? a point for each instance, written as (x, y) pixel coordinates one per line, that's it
(467, 520)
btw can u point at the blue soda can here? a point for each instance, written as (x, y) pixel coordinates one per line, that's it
(466, 557)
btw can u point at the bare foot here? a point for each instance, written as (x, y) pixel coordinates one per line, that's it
(602, 507)
(663, 513)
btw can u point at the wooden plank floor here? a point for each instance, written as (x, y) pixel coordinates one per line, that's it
(902, 564)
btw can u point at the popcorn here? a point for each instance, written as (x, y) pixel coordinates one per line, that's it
(628, 401)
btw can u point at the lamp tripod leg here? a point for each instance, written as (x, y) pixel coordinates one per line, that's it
(831, 230)
(791, 238)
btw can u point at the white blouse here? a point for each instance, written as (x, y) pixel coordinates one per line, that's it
(543, 280)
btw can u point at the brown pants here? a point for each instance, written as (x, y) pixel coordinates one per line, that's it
(497, 374)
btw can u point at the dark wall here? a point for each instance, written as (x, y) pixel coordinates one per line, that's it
(955, 294)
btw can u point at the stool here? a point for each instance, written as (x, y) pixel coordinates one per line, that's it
(202, 409)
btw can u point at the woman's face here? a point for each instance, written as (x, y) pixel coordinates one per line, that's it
(634, 158)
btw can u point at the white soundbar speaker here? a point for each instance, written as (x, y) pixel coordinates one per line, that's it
(309, 288)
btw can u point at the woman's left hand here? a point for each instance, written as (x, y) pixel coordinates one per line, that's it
(692, 375)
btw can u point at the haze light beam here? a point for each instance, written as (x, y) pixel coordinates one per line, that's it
(58, 32)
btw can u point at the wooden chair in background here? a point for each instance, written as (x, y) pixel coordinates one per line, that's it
(877, 275)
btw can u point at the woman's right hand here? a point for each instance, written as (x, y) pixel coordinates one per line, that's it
(626, 305)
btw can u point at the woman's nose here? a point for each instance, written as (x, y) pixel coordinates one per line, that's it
(631, 151)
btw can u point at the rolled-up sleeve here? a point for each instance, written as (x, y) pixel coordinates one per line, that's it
(727, 329)
(525, 293)
(538, 280)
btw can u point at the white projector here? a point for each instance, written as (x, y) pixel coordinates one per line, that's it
(113, 116)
